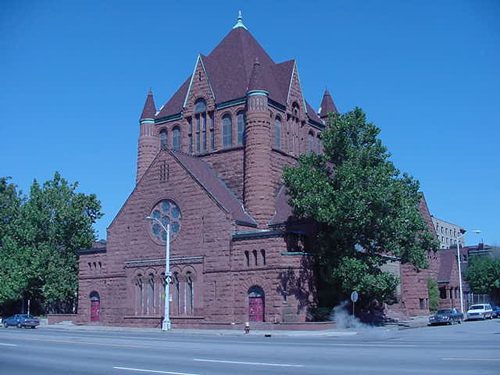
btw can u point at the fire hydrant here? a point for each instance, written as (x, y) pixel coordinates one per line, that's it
(247, 327)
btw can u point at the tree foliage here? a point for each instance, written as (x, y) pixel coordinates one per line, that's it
(38, 251)
(433, 290)
(366, 209)
(483, 275)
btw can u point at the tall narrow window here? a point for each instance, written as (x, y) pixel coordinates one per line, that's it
(255, 257)
(198, 128)
(227, 131)
(176, 138)
(263, 255)
(204, 132)
(200, 114)
(240, 119)
(177, 295)
(247, 258)
(277, 133)
(190, 135)
(138, 295)
(189, 294)
(212, 132)
(163, 139)
(150, 305)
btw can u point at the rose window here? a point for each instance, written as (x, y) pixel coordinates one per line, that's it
(167, 212)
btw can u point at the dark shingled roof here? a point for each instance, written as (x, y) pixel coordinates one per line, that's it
(327, 105)
(149, 110)
(283, 209)
(426, 215)
(447, 258)
(256, 77)
(229, 68)
(207, 178)
(174, 105)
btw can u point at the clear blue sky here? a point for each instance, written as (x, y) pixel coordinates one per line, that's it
(74, 76)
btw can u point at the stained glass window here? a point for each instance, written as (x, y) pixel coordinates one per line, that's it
(164, 213)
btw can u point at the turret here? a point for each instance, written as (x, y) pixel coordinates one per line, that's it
(327, 106)
(258, 189)
(148, 142)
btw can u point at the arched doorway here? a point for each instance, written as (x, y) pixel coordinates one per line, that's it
(95, 307)
(256, 304)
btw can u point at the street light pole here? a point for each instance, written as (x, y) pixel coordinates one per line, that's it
(166, 324)
(460, 273)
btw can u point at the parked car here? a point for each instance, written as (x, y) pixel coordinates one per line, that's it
(480, 311)
(21, 320)
(496, 311)
(446, 316)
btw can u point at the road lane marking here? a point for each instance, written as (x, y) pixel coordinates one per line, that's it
(470, 359)
(2, 344)
(152, 371)
(247, 363)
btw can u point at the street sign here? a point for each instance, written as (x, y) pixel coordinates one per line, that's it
(354, 296)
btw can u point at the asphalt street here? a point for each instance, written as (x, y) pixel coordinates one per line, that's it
(470, 348)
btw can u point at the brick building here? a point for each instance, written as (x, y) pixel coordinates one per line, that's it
(210, 164)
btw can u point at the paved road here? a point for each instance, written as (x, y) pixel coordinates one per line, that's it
(470, 348)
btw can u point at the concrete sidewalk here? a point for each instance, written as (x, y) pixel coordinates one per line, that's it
(208, 332)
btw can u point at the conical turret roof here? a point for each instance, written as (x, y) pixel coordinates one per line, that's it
(327, 105)
(149, 110)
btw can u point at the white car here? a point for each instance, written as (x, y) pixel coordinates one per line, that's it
(480, 311)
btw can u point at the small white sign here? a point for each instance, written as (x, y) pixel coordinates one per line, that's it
(354, 296)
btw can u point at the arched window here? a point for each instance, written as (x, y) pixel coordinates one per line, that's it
(200, 114)
(177, 295)
(163, 139)
(227, 131)
(240, 119)
(189, 293)
(176, 138)
(277, 133)
(311, 139)
(150, 304)
(295, 109)
(263, 256)
(255, 257)
(247, 258)
(138, 295)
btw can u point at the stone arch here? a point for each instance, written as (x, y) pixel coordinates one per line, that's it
(256, 304)
(95, 306)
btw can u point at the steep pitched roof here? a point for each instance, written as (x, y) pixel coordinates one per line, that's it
(327, 105)
(207, 178)
(174, 105)
(426, 215)
(149, 110)
(229, 68)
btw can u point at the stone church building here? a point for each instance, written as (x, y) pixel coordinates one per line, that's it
(210, 164)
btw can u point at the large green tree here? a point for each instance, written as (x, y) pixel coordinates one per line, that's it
(366, 210)
(483, 275)
(38, 254)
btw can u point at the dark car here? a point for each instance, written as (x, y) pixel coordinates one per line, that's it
(496, 311)
(446, 316)
(21, 320)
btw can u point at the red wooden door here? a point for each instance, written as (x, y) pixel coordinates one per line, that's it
(256, 309)
(95, 311)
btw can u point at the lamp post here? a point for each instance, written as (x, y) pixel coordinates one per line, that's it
(462, 231)
(166, 324)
